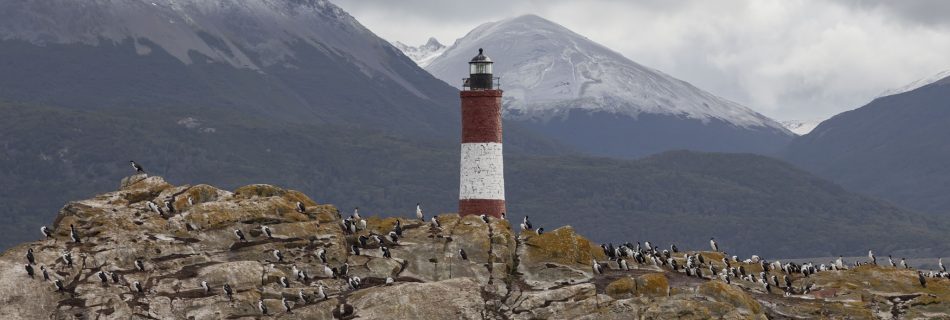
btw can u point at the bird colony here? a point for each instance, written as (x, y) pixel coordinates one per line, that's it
(152, 250)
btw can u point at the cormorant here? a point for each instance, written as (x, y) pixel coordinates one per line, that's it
(713, 244)
(419, 214)
(240, 235)
(462, 254)
(138, 168)
(29, 256)
(29, 270)
(267, 231)
(46, 232)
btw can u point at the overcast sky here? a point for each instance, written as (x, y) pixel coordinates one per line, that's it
(787, 59)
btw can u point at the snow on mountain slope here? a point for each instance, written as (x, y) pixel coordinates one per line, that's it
(547, 70)
(424, 54)
(916, 84)
(801, 127)
(244, 34)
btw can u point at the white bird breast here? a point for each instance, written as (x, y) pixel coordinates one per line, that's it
(482, 171)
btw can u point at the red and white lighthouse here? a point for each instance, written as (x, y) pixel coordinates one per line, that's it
(482, 176)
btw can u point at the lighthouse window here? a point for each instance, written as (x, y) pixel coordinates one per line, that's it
(480, 68)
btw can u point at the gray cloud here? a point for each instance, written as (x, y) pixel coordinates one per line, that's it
(786, 59)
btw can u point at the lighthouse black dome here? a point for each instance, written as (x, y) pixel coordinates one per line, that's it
(481, 57)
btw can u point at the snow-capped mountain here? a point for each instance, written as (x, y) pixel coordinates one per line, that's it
(801, 127)
(424, 54)
(916, 84)
(551, 73)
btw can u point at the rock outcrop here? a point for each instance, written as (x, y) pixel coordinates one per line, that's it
(505, 276)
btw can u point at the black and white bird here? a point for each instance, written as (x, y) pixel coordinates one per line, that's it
(623, 264)
(354, 282)
(920, 277)
(300, 207)
(322, 295)
(170, 205)
(435, 222)
(29, 256)
(504, 216)
(206, 286)
(872, 257)
(302, 297)
(940, 264)
(139, 265)
(228, 292)
(68, 258)
(462, 254)
(345, 269)
(526, 224)
(267, 232)
(484, 218)
(102, 276)
(355, 250)
(322, 254)
(386, 253)
(327, 271)
(419, 214)
(904, 264)
(363, 240)
(393, 237)
(598, 268)
(356, 213)
(240, 235)
(788, 281)
(278, 255)
(46, 232)
(74, 234)
(138, 287)
(673, 248)
(29, 270)
(713, 244)
(191, 201)
(45, 273)
(286, 304)
(138, 168)
(59, 285)
(284, 282)
(398, 228)
(540, 231)
(261, 306)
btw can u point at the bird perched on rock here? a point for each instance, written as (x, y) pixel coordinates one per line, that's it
(940, 264)
(228, 292)
(713, 245)
(462, 254)
(267, 232)
(74, 234)
(393, 237)
(29, 256)
(278, 255)
(327, 272)
(673, 248)
(904, 264)
(322, 254)
(355, 250)
(240, 235)
(419, 214)
(59, 285)
(398, 228)
(322, 295)
(68, 258)
(386, 253)
(484, 218)
(206, 286)
(138, 168)
(540, 231)
(29, 270)
(363, 240)
(623, 265)
(302, 297)
(191, 201)
(170, 205)
(300, 207)
(139, 265)
(354, 282)
(526, 224)
(390, 280)
(598, 269)
(138, 287)
(920, 277)
(284, 282)
(46, 232)
(286, 304)
(261, 306)
(45, 273)
(102, 276)
(435, 222)
(872, 257)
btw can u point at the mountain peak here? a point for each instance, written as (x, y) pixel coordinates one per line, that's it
(423, 54)
(548, 70)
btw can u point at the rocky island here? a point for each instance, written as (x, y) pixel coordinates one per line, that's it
(262, 251)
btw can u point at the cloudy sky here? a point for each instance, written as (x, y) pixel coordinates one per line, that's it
(788, 59)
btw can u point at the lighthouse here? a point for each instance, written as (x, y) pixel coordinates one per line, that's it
(482, 173)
